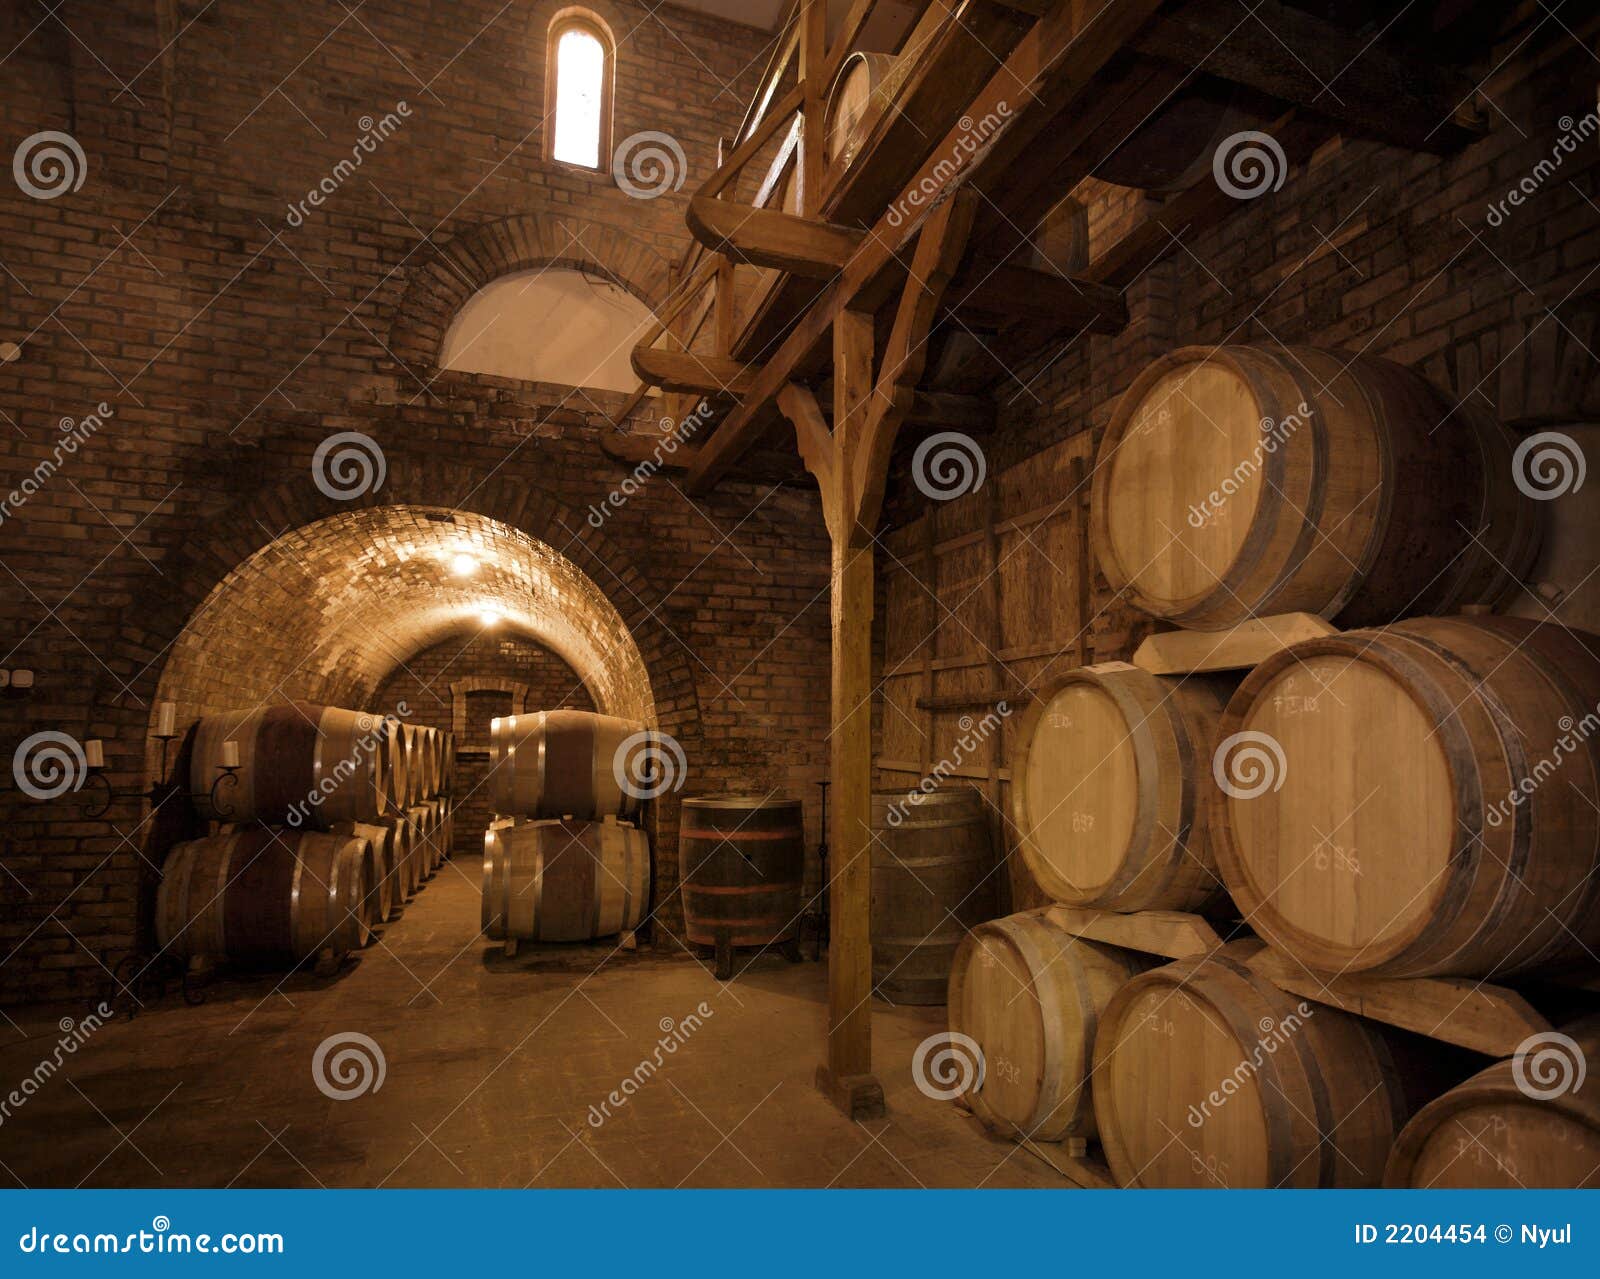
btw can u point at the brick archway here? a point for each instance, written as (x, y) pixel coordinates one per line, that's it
(461, 688)
(462, 265)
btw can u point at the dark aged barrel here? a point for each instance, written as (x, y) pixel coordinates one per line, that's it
(389, 889)
(1231, 484)
(1110, 788)
(1532, 1121)
(565, 881)
(299, 763)
(403, 844)
(560, 764)
(266, 896)
(1030, 995)
(1206, 1074)
(424, 823)
(743, 866)
(932, 879)
(1422, 799)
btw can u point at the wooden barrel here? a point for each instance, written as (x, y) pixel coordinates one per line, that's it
(1419, 800)
(388, 888)
(1206, 1074)
(493, 917)
(1110, 790)
(402, 842)
(397, 779)
(863, 89)
(560, 764)
(423, 824)
(1496, 1133)
(933, 878)
(299, 764)
(743, 866)
(567, 881)
(1030, 995)
(447, 779)
(266, 896)
(1230, 485)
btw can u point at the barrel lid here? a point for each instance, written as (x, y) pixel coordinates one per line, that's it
(740, 801)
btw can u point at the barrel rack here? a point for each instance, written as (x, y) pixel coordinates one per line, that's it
(1007, 107)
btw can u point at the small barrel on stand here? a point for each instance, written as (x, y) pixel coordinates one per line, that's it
(743, 859)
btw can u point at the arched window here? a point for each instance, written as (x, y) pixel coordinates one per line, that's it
(578, 76)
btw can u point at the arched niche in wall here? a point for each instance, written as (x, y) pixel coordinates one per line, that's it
(555, 324)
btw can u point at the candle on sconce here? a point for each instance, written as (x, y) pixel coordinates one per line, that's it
(230, 754)
(94, 753)
(166, 720)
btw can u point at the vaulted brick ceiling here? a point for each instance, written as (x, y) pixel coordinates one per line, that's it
(328, 611)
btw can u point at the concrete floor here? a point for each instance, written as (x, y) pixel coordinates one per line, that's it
(492, 1066)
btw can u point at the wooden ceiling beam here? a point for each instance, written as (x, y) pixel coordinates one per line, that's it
(693, 373)
(1050, 66)
(1312, 63)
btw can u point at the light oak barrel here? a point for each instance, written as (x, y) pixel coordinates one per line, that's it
(1031, 995)
(388, 889)
(570, 881)
(1492, 1133)
(266, 896)
(493, 920)
(1418, 800)
(1207, 1075)
(864, 87)
(1228, 485)
(932, 879)
(299, 763)
(553, 764)
(743, 867)
(1111, 788)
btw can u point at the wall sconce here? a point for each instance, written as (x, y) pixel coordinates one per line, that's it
(160, 791)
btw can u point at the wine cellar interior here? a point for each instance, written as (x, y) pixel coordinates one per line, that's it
(800, 593)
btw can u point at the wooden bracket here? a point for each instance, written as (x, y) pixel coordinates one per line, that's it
(1247, 644)
(1172, 933)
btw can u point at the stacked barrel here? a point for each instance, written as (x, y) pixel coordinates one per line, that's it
(564, 859)
(1420, 798)
(328, 823)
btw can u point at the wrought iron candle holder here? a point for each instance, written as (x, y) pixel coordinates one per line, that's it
(163, 790)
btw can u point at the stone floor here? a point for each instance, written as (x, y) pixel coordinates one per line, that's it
(491, 1068)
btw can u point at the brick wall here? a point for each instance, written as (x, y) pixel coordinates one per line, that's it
(229, 340)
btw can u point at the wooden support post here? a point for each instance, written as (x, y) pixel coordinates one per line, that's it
(813, 57)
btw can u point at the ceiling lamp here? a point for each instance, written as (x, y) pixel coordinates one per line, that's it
(463, 565)
(489, 617)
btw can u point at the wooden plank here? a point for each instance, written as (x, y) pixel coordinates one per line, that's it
(1018, 292)
(884, 764)
(813, 71)
(1458, 1010)
(1012, 697)
(692, 371)
(1175, 934)
(1247, 644)
(1054, 62)
(1313, 63)
(807, 246)
(1090, 1174)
